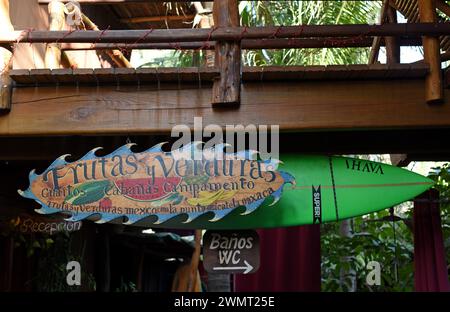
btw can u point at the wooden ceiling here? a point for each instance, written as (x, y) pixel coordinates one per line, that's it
(155, 15)
(143, 14)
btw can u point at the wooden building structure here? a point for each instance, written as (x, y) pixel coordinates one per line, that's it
(68, 88)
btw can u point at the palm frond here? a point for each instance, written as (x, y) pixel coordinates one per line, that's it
(285, 13)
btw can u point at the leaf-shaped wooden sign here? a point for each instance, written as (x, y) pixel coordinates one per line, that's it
(156, 183)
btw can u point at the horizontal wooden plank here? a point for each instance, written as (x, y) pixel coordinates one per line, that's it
(248, 44)
(226, 33)
(305, 106)
(21, 76)
(334, 72)
(112, 75)
(206, 75)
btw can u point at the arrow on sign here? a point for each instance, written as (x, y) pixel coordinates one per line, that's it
(248, 267)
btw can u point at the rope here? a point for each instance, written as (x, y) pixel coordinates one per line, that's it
(296, 34)
(206, 44)
(100, 36)
(242, 33)
(275, 34)
(66, 35)
(142, 37)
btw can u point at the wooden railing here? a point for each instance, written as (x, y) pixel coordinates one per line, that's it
(227, 39)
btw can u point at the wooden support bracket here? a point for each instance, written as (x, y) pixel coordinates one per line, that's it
(376, 43)
(226, 89)
(434, 92)
(392, 44)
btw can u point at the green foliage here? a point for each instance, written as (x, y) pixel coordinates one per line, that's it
(373, 239)
(30, 242)
(441, 176)
(126, 286)
(284, 13)
(50, 254)
(177, 58)
(51, 267)
(370, 240)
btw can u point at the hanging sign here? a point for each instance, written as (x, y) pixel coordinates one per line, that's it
(218, 190)
(231, 251)
(156, 183)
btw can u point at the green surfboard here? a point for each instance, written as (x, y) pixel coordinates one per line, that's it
(160, 189)
(349, 187)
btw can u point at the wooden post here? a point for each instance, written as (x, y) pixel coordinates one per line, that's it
(392, 46)
(6, 60)
(375, 49)
(226, 89)
(187, 277)
(434, 92)
(193, 276)
(56, 22)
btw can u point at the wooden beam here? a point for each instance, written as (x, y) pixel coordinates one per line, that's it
(431, 48)
(376, 43)
(6, 60)
(306, 106)
(444, 58)
(440, 3)
(227, 33)
(202, 75)
(227, 87)
(153, 19)
(392, 46)
(249, 44)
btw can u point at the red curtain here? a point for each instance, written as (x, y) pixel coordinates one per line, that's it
(429, 253)
(290, 261)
